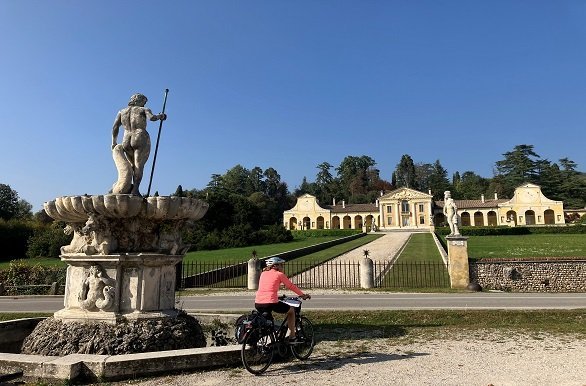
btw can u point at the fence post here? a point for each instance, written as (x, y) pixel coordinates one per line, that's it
(366, 273)
(253, 273)
(2, 289)
(54, 287)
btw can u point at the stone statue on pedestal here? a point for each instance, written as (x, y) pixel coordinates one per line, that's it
(451, 213)
(131, 156)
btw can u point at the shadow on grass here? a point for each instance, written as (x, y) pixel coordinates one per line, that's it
(333, 332)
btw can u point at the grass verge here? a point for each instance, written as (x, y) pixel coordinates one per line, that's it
(395, 323)
(336, 325)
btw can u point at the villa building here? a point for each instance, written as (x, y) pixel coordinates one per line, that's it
(406, 208)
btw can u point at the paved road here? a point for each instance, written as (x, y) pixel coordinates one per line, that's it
(343, 301)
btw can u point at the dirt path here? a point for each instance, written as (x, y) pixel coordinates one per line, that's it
(466, 359)
(340, 271)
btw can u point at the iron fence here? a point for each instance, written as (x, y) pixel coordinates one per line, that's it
(318, 274)
(195, 274)
(419, 274)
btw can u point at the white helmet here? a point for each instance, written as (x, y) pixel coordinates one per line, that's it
(274, 260)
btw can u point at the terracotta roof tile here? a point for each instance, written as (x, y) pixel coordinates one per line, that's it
(352, 208)
(470, 204)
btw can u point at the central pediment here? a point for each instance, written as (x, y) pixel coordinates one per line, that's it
(405, 194)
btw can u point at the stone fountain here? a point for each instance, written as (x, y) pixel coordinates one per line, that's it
(122, 259)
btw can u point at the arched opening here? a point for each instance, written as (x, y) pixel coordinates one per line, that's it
(465, 219)
(492, 218)
(357, 222)
(512, 217)
(549, 217)
(439, 220)
(346, 222)
(293, 223)
(320, 222)
(478, 219)
(306, 223)
(335, 222)
(530, 217)
(369, 223)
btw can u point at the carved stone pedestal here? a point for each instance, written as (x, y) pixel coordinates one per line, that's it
(107, 287)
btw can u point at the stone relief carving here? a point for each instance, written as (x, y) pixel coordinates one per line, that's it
(98, 291)
(406, 194)
(111, 224)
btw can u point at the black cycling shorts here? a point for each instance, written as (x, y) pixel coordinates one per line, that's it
(279, 307)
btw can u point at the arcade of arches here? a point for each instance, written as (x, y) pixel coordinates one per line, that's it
(406, 208)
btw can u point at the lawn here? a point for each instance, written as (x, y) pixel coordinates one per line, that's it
(294, 266)
(419, 265)
(527, 246)
(238, 255)
(394, 323)
(43, 261)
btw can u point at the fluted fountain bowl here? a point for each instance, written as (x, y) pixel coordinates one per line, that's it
(76, 209)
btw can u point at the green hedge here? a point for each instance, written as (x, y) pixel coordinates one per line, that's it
(324, 232)
(14, 235)
(513, 231)
(19, 273)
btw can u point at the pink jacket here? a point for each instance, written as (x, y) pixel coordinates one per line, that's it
(268, 286)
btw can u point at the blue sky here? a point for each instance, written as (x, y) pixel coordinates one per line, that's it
(286, 84)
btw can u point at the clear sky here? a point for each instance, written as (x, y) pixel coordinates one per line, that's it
(286, 84)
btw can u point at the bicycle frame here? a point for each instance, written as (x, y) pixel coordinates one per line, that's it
(257, 352)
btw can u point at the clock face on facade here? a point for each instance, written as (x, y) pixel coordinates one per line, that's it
(305, 205)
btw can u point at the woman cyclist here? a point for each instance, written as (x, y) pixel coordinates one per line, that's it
(267, 297)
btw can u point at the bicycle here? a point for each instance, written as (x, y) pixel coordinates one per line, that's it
(263, 339)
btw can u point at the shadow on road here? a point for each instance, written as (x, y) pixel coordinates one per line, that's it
(332, 362)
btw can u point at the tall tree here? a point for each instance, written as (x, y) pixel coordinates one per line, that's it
(405, 171)
(8, 202)
(470, 187)
(237, 180)
(349, 169)
(573, 186)
(519, 166)
(324, 183)
(438, 181)
(256, 180)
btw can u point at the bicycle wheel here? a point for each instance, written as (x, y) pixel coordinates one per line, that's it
(257, 351)
(304, 330)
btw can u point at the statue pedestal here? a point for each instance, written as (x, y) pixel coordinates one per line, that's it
(104, 288)
(458, 261)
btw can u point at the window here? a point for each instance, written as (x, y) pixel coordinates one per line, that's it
(421, 208)
(421, 220)
(389, 221)
(538, 218)
(404, 206)
(389, 209)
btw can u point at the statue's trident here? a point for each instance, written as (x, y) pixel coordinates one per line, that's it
(157, 145)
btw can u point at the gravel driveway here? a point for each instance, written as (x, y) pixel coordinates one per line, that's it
(478, 358)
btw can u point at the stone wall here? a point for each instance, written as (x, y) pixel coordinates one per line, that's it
(13, 332)
(530, 276)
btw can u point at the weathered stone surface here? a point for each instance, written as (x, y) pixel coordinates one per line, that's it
(458, 261)
(545, 275)
(123, 223)
(54, 338)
